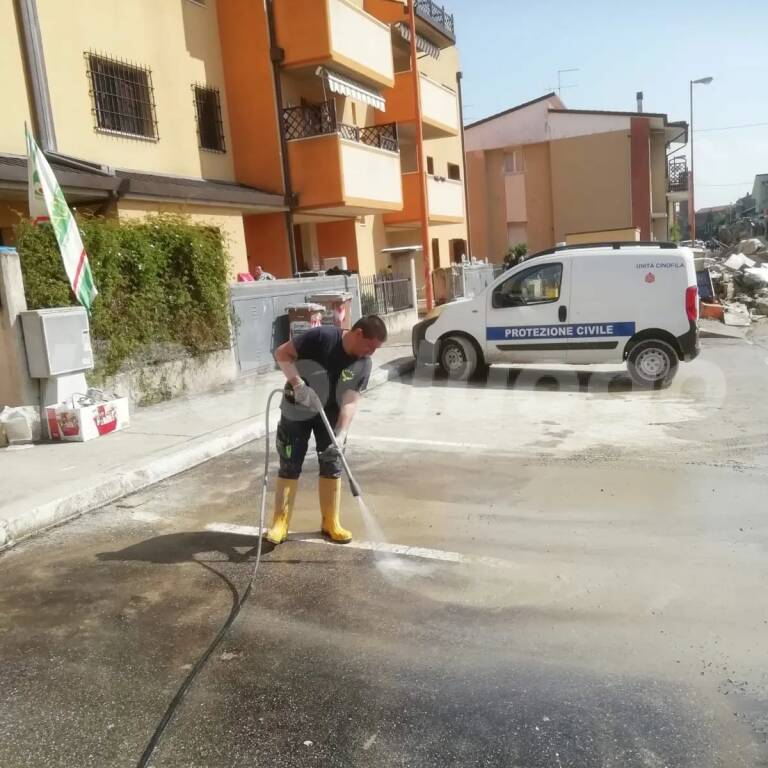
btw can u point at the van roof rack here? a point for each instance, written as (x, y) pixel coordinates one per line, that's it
(615, 245)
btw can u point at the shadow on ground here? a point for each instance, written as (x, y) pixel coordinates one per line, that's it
(532, 379)
(183, 548)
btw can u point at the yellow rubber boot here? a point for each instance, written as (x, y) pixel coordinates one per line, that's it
(330, 500)
(285, 494)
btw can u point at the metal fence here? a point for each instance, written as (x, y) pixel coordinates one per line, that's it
(462, 281)
(383, 294)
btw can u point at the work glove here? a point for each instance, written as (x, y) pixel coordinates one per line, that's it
(306, 396)
(331, 453)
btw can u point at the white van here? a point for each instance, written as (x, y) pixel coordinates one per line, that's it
(604, 303)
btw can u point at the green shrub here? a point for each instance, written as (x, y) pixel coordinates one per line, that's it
(515, 254)
(162, 283)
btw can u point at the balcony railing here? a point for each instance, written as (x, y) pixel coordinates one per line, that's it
(437, 15)
(677, 180)
(320, 119)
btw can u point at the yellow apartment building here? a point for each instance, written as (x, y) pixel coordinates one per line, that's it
(128, 100)
(542, 174)
(292, 125)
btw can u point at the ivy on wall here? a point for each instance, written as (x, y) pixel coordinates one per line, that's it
(162, 285)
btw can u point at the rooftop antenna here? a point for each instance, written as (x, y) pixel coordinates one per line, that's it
(560, 73)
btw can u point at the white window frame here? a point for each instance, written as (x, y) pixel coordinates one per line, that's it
(518, 162)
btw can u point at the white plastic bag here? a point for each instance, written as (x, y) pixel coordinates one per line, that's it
(20, 425)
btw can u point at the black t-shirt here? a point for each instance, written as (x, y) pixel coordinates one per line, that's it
(328, 369)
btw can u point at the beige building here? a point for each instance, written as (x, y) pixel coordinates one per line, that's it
(128, 101)
(542, 174)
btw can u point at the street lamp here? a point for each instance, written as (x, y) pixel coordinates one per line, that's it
(692, 206)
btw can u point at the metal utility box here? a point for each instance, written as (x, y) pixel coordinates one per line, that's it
(58, 341)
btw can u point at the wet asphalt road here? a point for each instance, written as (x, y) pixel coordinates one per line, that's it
(594, 598)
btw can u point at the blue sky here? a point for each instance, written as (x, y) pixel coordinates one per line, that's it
(511, 52)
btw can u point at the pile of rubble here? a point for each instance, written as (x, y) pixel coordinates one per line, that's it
(733, 283)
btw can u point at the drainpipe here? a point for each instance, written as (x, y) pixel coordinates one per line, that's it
(276, 54)
(425, 252)
(34, 64)
(459, 78)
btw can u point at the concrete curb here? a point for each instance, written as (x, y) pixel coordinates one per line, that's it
(140, 475)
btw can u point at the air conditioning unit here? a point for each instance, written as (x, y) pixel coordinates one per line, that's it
(336, 263)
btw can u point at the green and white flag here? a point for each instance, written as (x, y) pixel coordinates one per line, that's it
(47, 203)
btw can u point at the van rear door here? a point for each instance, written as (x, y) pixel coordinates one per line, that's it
(525, 314)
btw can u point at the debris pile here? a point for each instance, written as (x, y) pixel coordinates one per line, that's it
(733, 282)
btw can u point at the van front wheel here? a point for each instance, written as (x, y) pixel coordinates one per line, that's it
(652, 364)
(458, 358)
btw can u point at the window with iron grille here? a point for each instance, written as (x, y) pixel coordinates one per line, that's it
(210, 128)
(123, 97)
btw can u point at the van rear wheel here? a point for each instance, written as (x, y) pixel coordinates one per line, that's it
(652, 364)
(458, 358)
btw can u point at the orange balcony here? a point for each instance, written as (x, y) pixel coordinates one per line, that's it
(389, 11)
(445, 198)
(411, 212)
(439, 106)
(335, 33)
(340, 169)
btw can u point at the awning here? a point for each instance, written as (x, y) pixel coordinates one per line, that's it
(402, 249)
(79, 185)
(422, 44)
(345, 86)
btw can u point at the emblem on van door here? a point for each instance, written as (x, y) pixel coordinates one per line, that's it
(650, 278)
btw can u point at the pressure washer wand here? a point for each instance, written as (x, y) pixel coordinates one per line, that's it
(353, 485)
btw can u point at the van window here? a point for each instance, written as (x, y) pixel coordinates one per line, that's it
(537, 285)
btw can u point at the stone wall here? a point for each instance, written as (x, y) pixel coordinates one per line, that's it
(155, 382)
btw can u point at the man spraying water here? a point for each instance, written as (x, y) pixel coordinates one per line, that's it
(326, 369)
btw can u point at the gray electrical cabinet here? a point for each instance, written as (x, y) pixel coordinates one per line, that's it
(58, 341)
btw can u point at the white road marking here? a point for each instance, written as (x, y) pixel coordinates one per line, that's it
(431, 443)
(382, 547)
(389, 549)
